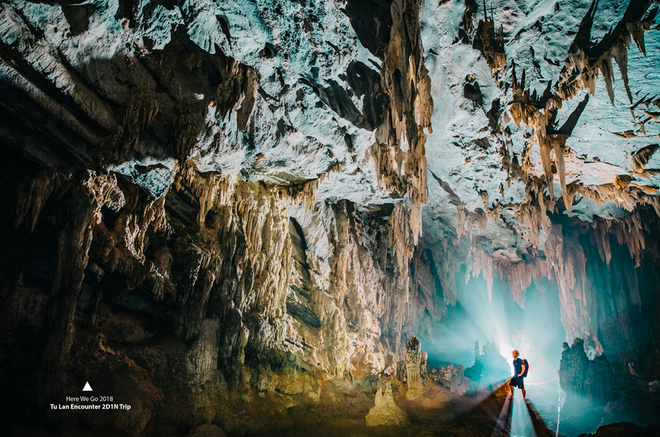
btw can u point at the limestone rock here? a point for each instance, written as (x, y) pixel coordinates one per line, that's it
(222, 202)
(414, 368)
(654, 386)
(489, 365)
(453, 378)
(581, 377)
(624, 429)
(385, 412)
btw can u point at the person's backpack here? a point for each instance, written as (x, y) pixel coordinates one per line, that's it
(526, 363)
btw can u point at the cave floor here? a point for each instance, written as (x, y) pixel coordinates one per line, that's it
(436, 413)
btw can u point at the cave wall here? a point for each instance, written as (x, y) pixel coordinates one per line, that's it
(177, 244)
(226, 285)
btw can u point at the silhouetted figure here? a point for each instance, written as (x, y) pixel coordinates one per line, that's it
(518, 372)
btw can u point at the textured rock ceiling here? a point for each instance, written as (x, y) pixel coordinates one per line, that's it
(315, 97)
(538, 41)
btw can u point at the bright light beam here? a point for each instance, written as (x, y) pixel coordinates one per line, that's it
(502, 425)
(521, 423)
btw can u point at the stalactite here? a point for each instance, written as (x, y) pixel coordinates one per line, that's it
(546, 159)
(600, 237)
(481, 264)
(490, 41)
(33, 195)
(401, 139)
(259, 288)
(558, 143)
(641, 158)
(580, 72)
(305, 192)
(570, 262)
(391, 298)
(85, 199)
(620, 55)
(212, 190)
(141, 110)
(581, 68)
(605, 66)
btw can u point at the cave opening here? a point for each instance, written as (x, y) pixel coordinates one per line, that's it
(479, 323)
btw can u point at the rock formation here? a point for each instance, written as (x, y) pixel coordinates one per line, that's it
(208, 431)
(489, 366)
(386, 412)
(453, 378)
(192, 245)
(624, 429)
(414, 368)
(581, 377)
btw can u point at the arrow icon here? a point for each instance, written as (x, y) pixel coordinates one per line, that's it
(87, 387)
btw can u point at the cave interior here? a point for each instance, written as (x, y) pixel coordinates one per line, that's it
(329, 217)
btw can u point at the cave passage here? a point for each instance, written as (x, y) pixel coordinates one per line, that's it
(329, 217)
(536, 330)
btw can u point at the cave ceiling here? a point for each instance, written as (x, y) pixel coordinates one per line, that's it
(478, 121)
(607, 132)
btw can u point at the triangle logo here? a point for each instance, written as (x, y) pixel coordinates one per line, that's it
(87, 387)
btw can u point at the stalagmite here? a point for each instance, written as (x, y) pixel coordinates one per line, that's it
(414, 369)
(386, 412)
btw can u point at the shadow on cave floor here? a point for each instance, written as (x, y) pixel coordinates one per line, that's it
(437, 413)
(480, 414)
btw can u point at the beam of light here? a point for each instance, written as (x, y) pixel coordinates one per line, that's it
(561, 397)
(585, 414)
(521, 423)
(503, 424)
(489, 407)
(484, 320)
(536, 331)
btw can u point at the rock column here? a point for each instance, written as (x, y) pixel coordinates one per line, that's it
(414, 368)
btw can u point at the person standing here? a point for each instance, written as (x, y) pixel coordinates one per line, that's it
(519, 372)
